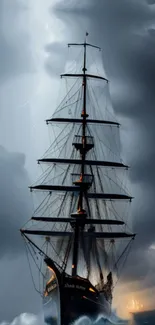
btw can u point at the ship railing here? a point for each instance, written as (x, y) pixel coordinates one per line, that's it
(78, 179)
(83, 143)
(78, 139)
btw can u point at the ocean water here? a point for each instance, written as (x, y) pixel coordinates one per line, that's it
(101, 320)
(142, 318)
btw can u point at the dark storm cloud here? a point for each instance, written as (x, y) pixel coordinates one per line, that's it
(17, 67)
(15, 55)
(14, 179)
(15, 203)
(17, 293)
(125, 31)
(151, 2)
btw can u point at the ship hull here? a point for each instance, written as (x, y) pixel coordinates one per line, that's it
(72, 298)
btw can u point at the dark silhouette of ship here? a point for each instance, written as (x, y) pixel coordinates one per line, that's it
(79, 229)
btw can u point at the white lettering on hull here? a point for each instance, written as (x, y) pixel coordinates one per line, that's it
(67, 285)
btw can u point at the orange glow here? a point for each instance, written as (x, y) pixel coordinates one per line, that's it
(81, 211)
(134, 305)
(91, 289)
(80, 179)
(50, 269)
(73, 266)
(129, 298)
(51, 278)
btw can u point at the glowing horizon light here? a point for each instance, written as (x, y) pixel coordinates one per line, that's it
(134, 305)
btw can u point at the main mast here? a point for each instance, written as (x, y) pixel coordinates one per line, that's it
(81, 211)
(84, 115)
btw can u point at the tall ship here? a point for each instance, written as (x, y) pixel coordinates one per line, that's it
(79, 235)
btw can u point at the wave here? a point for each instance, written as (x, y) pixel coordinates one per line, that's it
(102, 319)
(31, 319)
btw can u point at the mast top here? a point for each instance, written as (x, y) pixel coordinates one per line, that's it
(86, 36)
(85, 43)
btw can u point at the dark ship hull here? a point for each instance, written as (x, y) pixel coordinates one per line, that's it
(68, 298)
(72, 300)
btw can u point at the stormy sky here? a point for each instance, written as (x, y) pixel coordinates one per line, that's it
(32, 43)
(22, 115)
